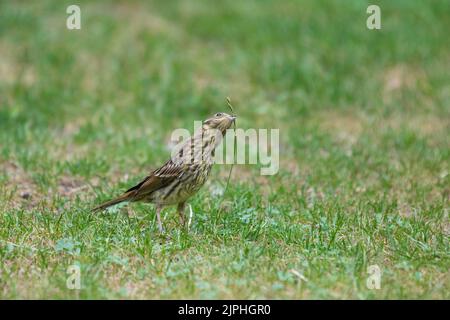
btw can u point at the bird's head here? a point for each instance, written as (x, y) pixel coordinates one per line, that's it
(220, 121)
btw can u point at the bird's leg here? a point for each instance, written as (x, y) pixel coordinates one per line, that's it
(158, 216)
(180, 210)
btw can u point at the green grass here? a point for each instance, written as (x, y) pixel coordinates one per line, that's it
(365, 150)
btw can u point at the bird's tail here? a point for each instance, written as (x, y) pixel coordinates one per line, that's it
(125, 197)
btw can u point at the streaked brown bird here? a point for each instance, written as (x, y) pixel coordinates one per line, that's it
(183, 175)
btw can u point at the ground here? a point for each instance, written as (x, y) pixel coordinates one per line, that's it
(364, 148)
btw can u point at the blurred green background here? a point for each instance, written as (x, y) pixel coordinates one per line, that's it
(364, 123)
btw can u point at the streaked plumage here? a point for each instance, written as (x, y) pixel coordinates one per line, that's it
(182, 175)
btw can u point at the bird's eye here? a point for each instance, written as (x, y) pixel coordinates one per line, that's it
(219, 114)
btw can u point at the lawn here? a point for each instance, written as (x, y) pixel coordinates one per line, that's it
(364, 120)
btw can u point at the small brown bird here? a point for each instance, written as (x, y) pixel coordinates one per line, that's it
(182, 175)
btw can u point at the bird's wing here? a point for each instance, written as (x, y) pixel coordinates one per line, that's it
(156, 180)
